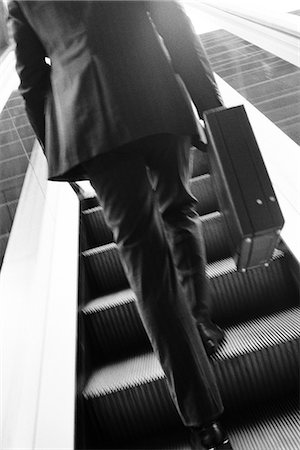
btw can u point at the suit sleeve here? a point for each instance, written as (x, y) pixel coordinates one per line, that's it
(187, 54)
(33, 71)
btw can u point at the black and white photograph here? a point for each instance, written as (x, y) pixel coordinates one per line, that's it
(149, 224)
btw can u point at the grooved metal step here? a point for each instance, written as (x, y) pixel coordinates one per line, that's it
(270, 426)
(200, 165)
(96, 229)
(98, 233)
(203, 190)
(103, 262)
(105, 268)
(213, 225)
(114, 327)
(129, 398)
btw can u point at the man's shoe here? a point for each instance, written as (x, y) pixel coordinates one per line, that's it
(212, 437)
(211, 335)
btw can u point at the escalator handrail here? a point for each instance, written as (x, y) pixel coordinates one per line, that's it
(278, 33)
(280, 21)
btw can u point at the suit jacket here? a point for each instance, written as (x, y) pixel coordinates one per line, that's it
(113, 76)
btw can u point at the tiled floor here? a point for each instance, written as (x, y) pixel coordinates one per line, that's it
(16, 142)
(271, 84)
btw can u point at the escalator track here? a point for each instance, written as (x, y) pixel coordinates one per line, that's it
(123, 401)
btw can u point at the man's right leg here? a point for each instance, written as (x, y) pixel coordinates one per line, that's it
(121, 182)
(169, 166)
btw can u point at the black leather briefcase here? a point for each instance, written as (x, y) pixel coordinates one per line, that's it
(243, 187)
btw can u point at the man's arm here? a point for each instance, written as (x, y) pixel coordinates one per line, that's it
(31, 67)
(188, 56)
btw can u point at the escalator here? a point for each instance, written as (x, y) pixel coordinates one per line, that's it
(123, 400)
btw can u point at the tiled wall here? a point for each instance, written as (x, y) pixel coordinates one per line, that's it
(16, 143)
(271, 84)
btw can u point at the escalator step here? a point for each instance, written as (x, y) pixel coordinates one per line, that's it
(104, 265)
(89, 202)
(200, 164)
(271, 426)
(236, 295)
(202, 189)
(96, 229)
(105, 268)
(114, 327)
(215, 236)
(214, 231)
(259, 361)
(98, 233)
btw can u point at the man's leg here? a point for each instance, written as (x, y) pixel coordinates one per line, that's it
(125, 193)
(170, 175)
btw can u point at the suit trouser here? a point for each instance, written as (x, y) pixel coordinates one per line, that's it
(143, 189)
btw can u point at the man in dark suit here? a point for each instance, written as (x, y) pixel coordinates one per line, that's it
(114, 107)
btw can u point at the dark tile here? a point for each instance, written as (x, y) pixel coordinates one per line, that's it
(25, 131)
(10, 193)
(19, 121)
(212, 44)
(5, 219)
(281, 102)
(227, 39)
(7, 137)
(293, 131)
(252, 50)
(14, 101)
(10, 150)
(7, 214)
(15, 93)
(28, 143)
(283, 68)
(264, 91)
(285, 112)
(6, 124)
(290, 81)
(4, 114)
(13, 167)
(228, 54)
(3, 245)
(232, 56)
(245, 65)
(224, 47)
(291, 126)
(11, 183)
(245, 79)
(10, 187)
(264, 70)
(240, 67)
(292, 120)
(16, 110)
(266, 74)
(216, 35)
